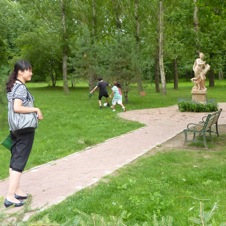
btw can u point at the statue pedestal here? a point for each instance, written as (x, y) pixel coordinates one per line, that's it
(199, 96)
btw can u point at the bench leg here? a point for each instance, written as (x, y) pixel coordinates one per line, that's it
(186, 136)
(194, 136)
(217, 130)
(204, 140)
(210, 133)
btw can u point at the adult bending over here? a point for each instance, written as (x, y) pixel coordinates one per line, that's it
(102, 85)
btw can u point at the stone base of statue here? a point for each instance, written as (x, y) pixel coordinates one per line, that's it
(199, 96)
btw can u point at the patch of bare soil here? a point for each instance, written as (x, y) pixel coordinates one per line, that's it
(177, 142)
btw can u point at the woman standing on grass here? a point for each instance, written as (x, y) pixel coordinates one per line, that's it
(117, 96)
(22, 140)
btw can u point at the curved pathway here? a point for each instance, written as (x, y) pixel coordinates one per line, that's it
(53, 182)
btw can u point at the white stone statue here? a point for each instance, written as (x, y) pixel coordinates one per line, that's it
(200, 69)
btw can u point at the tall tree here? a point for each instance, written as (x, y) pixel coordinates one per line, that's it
(65, 47)
(122, 49)
(196, 18)
(93, 41)
(157, 75)
(177, 50)
(137, 38)
(212, 19)
(161, 47)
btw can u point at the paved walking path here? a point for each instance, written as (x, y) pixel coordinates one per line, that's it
(53, 182)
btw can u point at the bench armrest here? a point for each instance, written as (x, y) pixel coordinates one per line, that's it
(204, 118)
(191, 125)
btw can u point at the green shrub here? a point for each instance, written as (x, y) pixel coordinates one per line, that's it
(192, 106)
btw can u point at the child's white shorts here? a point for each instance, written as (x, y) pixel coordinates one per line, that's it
(114, 102)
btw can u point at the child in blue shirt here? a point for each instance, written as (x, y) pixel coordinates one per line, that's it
(117, 96)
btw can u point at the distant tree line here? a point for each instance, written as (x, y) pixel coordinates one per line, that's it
(128, 40)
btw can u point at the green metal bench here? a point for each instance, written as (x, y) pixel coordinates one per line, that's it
(209, 124)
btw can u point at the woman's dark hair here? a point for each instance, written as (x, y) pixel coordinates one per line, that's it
(20, 65)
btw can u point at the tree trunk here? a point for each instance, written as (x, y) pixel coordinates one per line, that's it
(211, 78)
(116, 10)
(92, 80)
(211, 73)
(220, 75)
(65, 47)
(161, 56)
(175, 74)
(65, 81)
(137, 37)
(157, 87)
(196, 26)
(53, 74)
(126, 97)
(94, 21)
(94, 32)
(126, 91)
(196, 19)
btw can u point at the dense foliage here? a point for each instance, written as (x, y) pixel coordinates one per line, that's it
(114, 39)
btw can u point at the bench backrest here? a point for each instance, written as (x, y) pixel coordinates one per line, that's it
(206, 123)
(217, 115)
(212, 119)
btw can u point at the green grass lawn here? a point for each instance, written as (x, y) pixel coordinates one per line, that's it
(167, 184)
(71, 123)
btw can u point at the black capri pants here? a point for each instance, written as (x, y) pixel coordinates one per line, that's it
(21, 149)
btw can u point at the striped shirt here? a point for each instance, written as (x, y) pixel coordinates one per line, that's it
(20, 92)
